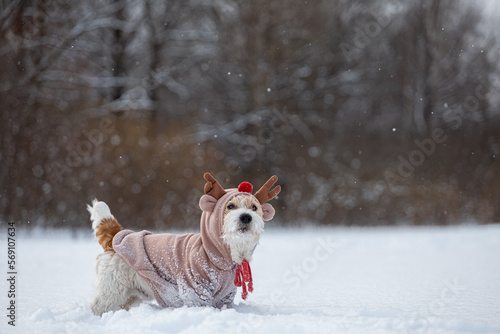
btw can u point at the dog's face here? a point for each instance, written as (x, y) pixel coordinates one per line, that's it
(243, 225)
(243, 214)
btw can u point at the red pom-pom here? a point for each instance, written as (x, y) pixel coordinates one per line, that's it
(245, 187)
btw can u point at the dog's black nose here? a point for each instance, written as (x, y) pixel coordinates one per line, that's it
(245, 218)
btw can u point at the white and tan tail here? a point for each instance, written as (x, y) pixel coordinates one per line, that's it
(104, 224)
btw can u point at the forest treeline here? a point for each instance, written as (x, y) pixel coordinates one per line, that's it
(370, 112)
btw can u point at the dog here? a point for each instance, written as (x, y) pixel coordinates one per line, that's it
(201, 269)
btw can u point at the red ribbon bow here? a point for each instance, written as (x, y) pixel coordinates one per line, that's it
(244, 276)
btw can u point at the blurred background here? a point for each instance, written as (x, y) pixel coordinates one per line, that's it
(378, 112)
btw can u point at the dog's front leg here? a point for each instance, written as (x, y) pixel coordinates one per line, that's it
(196, 296)
(227, 300)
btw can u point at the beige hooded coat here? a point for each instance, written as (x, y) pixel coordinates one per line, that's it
(187, 269)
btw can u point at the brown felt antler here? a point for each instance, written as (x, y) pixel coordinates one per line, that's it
(213, 187)
(264, 194)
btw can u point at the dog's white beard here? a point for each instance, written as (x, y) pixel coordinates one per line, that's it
(242, 244)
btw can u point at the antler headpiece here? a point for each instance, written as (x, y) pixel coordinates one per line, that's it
(214, 189)
(264, 194)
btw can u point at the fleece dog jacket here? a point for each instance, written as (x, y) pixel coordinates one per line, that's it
(187, 269)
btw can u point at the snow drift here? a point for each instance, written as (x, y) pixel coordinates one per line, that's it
(331, 280)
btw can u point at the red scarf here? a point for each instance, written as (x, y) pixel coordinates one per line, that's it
(244, 276)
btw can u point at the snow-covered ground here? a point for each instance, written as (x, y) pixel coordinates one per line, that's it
(328, 280)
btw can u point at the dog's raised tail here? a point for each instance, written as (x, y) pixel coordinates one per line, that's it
(104, 224)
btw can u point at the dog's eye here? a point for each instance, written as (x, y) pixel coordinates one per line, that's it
(254, 207)
(230, 206)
